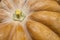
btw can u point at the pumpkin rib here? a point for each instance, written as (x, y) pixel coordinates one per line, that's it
(38, 31)
(51, 19)
(19, 31)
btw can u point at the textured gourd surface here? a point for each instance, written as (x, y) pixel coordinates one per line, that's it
(36, 20)
(39, 31)
(52, 19)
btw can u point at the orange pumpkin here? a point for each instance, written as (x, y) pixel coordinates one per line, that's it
(51, 19)
(18, 22)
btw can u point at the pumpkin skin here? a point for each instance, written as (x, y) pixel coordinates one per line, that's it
(51, 19)
(19, 33)
(5, 31)
(39, 31)
(10, 31)
(13, 29)
(47, 5)
(6, 15)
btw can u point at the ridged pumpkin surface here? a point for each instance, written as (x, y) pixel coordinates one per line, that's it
(29, 20)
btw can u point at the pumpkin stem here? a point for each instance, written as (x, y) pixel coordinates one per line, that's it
(18, 16)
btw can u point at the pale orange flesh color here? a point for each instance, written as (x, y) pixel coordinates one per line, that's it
(39, 31)
(51, 19)
(19, 33)
(5, 30)
(7, 3)
(49, 5)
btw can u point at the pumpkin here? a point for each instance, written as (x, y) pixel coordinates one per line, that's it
(19, 22)
(38, 31)
(51, 19)
(46, 5)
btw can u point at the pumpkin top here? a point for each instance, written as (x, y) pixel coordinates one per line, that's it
(18, 15)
